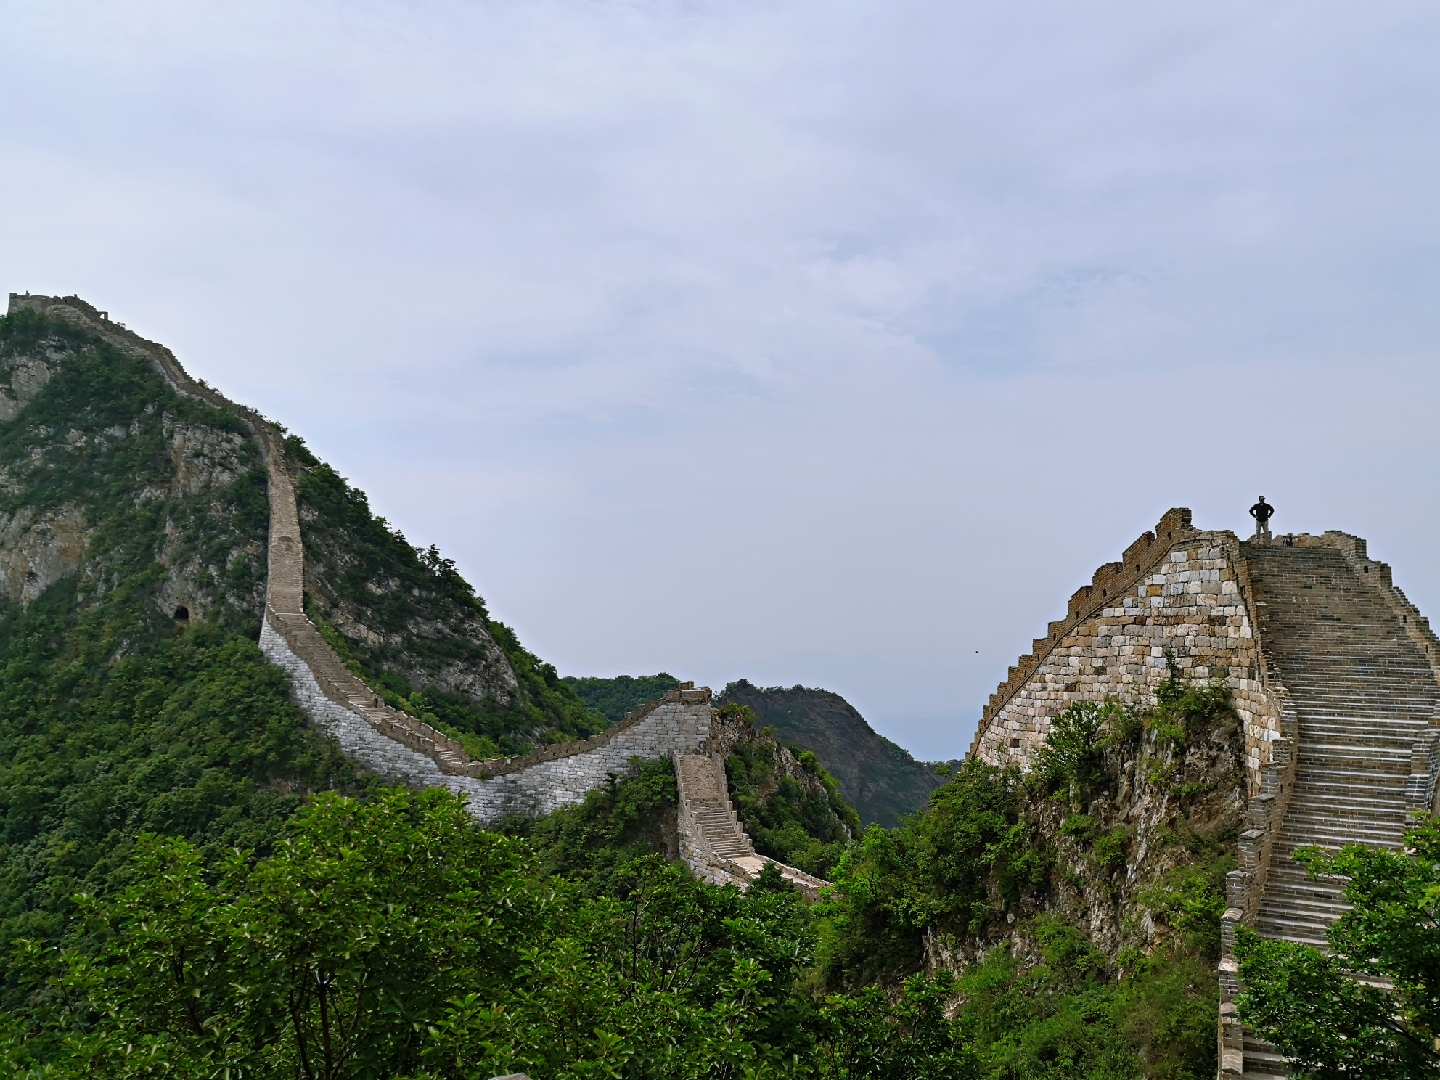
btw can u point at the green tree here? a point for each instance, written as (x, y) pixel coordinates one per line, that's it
(323, 960)
(1311, 1005)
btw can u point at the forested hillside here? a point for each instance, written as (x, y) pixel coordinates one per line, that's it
(133, 698)
(123, 506)
(881, 779)
(193, 884)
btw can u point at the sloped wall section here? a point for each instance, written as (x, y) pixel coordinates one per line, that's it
(1178, 591)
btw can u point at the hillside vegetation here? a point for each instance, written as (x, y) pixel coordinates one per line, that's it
(612, 698)
(119, 499)
(194, 885)
(880, 779)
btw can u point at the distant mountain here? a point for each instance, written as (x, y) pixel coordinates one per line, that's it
(881, 780)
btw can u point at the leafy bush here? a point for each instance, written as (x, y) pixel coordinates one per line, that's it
(1073, 755)
(1110, 847)
(1309, 1004)
(1184, 711)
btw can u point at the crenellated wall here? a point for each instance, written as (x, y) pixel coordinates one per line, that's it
(1178, 592)
(1335, 674)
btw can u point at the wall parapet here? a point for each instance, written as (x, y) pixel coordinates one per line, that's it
(686, 694)
(1109, 582)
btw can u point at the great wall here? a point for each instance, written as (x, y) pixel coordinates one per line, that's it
(1334, 673)
(1335, 676)
(398, 747)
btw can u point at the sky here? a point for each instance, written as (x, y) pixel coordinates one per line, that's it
(832, 343)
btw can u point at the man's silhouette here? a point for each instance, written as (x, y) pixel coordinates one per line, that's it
(1261, 512)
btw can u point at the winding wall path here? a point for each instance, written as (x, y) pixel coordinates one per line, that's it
(401, 748)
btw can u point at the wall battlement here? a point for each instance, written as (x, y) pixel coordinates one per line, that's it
(1177, 592)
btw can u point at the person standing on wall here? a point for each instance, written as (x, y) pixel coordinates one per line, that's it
(1261, 512)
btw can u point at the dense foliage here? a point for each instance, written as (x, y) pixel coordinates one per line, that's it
(613, 698)
(629, 818)
(789, 805)
(392, 937)
(1334, 1026)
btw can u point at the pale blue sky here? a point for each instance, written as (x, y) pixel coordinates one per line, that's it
(832, 343)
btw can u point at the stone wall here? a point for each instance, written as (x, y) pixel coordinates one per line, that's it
(1183, 593)
(537, 787)
(382, 740)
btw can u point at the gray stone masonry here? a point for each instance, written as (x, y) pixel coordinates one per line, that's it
(1184, 592)
(1335, 675)
(712, 842)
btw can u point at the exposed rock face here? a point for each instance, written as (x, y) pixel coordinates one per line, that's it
(1159, 803)
(23, 377)
(37, 552)
(102, 487)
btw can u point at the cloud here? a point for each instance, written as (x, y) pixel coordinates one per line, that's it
(841, 337)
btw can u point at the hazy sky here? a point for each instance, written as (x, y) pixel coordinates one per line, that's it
(822, 342)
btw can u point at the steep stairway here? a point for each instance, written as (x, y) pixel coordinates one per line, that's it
(713, 843)
(703, 793)
(1363, 694)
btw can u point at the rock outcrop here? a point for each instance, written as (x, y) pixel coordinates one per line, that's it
(881, 780)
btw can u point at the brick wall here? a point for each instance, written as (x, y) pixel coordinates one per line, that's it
(1180, 591)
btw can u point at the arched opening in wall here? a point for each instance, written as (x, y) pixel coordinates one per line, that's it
(182, 614)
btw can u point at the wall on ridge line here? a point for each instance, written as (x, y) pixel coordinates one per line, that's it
(73, 309)
(673, 727)
(523, 786)
(1192, 603)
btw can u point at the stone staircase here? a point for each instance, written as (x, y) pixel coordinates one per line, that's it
(705, 797)
(712, 841)
(1365, 695)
